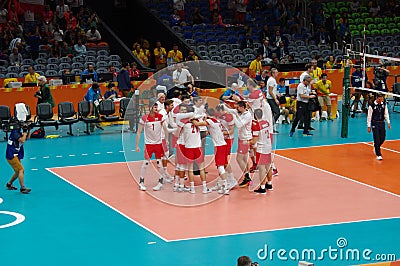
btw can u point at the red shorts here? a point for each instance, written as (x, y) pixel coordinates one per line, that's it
(157, 149)
(194, 154)
(263, 159)
(180, 157)
(174, 139)
(165, 146)
(229, 143)
(221, 155)
(243, 146)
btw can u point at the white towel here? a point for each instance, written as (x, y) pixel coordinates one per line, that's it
(21, 111)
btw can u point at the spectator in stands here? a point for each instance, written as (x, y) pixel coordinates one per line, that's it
(241, 9)
(90, 70)
(160, 56)
(321, 37)
(110, 93)
(374, 8)
(179, 6)
(55, 50)
(124, 82)
(34, 42)
(313, 9)
(281, 52)
(44, 94)
(331, 28)
(215, 5)
(15, 58)
(93, 35)
(293, 19)
(266, 51)
(174, 56)
(217, 19)
(191, 56)
(140, 54)
(66, 50)
(176, 20)
(32, 76)
(246, 42)
(280, 14)
(344, 31)
(93, 21)
(197, 17)
(332, 61)
(134, 71)
(61, 9)
(3, 16)
(14, 43)
(111, 69)
(48, 18)
(319, 19)
(277, 38)
(265, 34)
(79, 49)
(58, 34)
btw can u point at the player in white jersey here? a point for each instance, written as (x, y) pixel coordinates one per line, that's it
(200, 112)
(243, 119)
(228, 127)
(193, 153)
(264, 151)
(152, 124)
(220, 149)
(161, 100)
(168, 106)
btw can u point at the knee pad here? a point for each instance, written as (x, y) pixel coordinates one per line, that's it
(159, 163)
(221, 170)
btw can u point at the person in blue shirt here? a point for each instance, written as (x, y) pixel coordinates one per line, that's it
(281, 86)
(92, 96)
(88, 71)
(110, 93)
(356, 82)
(14, 155)
(232, 93)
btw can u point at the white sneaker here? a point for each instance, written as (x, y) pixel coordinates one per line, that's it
(223, 190)
(176, 188)
(232, 183)
(216, 187)
(157, 187)
(206, 190)
(142, 187)
(168, 179)
(379, 158)
(192, 191)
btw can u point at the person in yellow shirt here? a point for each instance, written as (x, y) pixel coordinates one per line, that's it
(323, 88)
(174, 56)
(255, 67)
(317, 71)
(32, 76)
(140, 54)
(160, 56)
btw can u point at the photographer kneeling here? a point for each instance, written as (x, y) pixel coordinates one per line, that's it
(14, 155)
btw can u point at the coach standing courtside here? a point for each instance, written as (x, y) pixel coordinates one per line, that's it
(377, 114)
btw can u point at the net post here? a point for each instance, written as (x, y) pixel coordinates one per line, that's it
(346, 102)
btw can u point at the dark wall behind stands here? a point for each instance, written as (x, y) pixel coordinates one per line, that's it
(132, 22)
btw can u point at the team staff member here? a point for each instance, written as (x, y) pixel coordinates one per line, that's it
(377, 114)
(44, 93)
(32, 76)
(14, 155)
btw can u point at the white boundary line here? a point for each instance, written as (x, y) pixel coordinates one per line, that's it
(108, 205)
(383, 148)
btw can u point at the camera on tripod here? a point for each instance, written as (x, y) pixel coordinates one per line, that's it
(15, 124)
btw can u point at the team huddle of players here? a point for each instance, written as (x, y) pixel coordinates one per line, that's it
(189, 123)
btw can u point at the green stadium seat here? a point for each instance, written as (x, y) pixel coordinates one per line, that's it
(355, 33)
(364, 15)
(395, 31)
(387, 20)
(371, 26)
(343, 9)
(360, 27)
(363, 9)
(396, 19)
(378, 20)
(369, 21)
(382, 26)
(350, 20)
(385, 31)
(352, 27)
(359, 21)
(391, 25)
(375, 32)
(341, 4)
(355, 15)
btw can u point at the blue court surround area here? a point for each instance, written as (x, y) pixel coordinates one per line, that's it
(65, 226)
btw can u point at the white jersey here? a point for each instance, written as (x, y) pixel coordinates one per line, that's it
(243, 123)
(160, 106)
(226, 121)
(200, 112)
(271, 82)
(181, 120)
(264, 144)
(256, 99)
(181, 76)
(152, 128)
(214, 127)
(191, 136)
